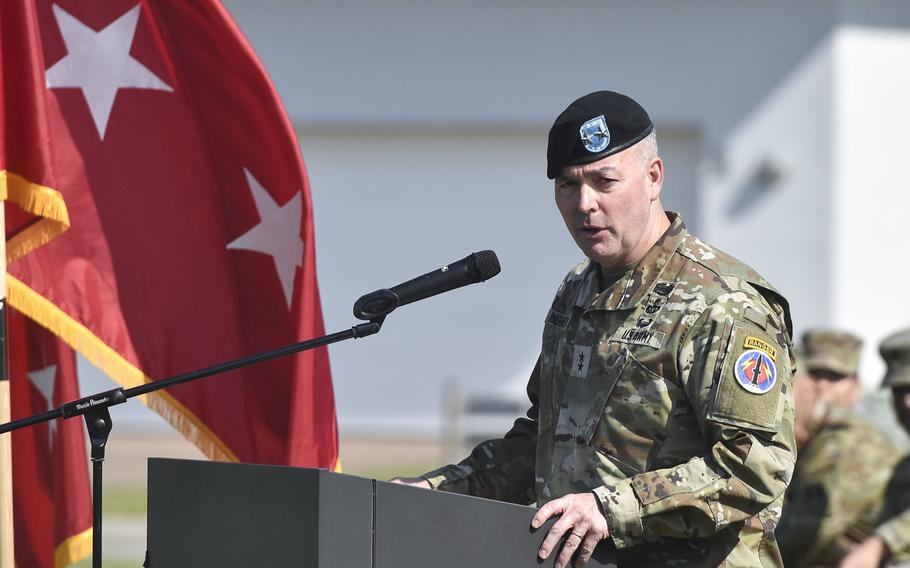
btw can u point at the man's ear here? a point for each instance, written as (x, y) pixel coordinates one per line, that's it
(655, 175)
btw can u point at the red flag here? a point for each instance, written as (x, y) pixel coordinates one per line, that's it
(52, 503)
(28, 175)
(192, 235)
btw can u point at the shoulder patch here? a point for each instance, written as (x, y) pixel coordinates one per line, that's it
(755, 371)
(752, 381)
(756, 343)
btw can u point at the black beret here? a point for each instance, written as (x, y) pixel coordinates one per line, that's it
(593, 127)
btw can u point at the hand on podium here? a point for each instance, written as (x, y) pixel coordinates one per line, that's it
(412, 481)
(580, 514)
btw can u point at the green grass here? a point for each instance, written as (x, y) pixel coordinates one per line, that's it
(125, 501)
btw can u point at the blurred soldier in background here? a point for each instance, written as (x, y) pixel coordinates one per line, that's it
(891, 541)
(843, 465)
(832, 359)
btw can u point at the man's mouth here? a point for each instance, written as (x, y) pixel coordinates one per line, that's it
(590, 231)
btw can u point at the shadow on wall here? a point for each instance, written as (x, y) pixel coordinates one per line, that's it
(758, 186)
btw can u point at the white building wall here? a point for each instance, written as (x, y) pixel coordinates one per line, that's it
(394, 203)
(430, 87)
(766, 197)
(701, 62)
(869, 224)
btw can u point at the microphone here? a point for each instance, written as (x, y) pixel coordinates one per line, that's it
(476, 267)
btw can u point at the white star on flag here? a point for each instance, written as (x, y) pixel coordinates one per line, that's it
(277, 234)
(45, 380)
(100, 63)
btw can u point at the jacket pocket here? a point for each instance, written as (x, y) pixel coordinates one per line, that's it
(551, 350)
(629, 421)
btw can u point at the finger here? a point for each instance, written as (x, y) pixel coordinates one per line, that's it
(412, 482)
(587, 549)
(558, 529)
(554, 507)
(569, 547)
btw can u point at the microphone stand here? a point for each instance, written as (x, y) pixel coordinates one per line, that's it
(94, 408)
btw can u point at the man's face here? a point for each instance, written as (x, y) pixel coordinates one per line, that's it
(805, 395)
(606, 204)
(839, 390)
(901, 395)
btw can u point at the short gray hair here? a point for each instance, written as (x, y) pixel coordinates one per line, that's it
(648, 147)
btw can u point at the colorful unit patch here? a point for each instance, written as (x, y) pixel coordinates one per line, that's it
(755, 371)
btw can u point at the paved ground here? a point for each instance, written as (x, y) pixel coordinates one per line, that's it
(124, 538)
(127, 456)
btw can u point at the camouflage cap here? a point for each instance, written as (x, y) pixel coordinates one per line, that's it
(895, 350)
(831, 350)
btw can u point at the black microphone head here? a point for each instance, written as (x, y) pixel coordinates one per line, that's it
(486, 265)
(375, 304)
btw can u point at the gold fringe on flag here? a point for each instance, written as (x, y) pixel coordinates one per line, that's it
(48, 204)
(38, 200)
(77, 336)
(73, 549)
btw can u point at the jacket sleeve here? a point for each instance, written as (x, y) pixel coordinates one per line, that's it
(726, 360)
(896, 534)
(894, 526)
(501, 469)
(837, 494)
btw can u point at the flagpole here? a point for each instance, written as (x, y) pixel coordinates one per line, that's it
(7, 554)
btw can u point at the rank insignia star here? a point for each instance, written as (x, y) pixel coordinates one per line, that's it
(581, 359)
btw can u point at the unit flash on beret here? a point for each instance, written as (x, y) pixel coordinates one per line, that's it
(595, 135)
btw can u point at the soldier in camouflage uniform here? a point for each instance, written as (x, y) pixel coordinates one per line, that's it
(832, 359)
(661, 414)
(844, 463)
(891, 542)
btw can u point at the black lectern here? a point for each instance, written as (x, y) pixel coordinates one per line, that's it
(235, 515)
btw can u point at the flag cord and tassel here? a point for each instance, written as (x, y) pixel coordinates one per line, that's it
(94, 408)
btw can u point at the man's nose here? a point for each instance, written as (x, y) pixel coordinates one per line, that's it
(587, 199)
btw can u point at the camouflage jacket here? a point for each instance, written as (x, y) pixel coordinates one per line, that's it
(837, 493)
(669, 396)
(895, 526)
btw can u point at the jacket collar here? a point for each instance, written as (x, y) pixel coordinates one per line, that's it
(629, 290)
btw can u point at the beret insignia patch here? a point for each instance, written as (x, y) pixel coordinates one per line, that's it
(755, 371)
(595, 135)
